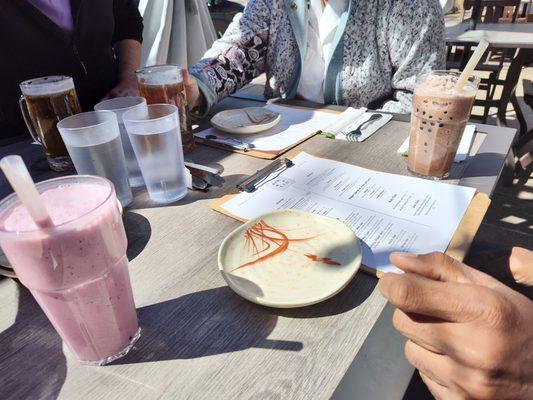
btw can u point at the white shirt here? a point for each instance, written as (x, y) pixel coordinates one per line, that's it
(323, 23)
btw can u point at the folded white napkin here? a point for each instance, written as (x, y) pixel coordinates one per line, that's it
(462, 151)
(350, 120)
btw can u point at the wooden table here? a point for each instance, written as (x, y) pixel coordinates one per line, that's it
(502, 36)
(199, 339)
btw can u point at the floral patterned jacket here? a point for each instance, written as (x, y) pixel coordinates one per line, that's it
(380, 48)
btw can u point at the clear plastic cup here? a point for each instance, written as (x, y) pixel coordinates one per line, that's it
(119, 106)
(77, 270)
(438, 120)
(94, 144)
(156, 140)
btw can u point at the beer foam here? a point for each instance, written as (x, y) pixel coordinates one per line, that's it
(47, 85)
(444, 85)
(160, 75)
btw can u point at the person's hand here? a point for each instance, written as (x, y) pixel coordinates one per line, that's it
(194, 98)
(469, 335)
(125, 87)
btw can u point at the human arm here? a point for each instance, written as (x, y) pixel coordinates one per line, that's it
(470, 336)
(414, 32)
(128, 53)
(127, 39)
(234, 60)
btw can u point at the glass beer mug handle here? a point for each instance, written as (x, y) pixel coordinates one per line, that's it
(27, 119)
(68, 106)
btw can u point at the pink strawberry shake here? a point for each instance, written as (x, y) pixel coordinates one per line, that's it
(78, 269)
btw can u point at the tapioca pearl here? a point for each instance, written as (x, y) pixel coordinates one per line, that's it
(441, 125)
(445, 112)
(424, 122)
(425, 143)
(429, 130)
(421, 128)
(432, 123)
(423, 113)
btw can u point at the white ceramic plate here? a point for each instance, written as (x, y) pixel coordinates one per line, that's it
(5, 268)
(246, 121)
(289, 258)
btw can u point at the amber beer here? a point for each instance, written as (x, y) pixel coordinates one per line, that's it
(164, 84)
(45, 102)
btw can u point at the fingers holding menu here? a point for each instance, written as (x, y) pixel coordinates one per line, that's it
(413, 293)
(437, 266)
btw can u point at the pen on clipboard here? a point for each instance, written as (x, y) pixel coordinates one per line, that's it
(250, 184)
(238, 145)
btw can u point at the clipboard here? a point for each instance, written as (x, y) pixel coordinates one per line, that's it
(457, 248)
(267, 155)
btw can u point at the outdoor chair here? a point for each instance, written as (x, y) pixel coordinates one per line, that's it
(525, 139)
(222, 13)
(492, 11)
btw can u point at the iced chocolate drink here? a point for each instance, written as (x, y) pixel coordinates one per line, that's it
(438, 119)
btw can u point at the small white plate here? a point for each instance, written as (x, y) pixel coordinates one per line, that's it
(289, 258)
(246, 121)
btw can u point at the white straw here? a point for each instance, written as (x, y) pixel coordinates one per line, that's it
(472, 64)
(18, 176)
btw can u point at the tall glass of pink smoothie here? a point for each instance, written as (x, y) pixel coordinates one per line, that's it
(77, 270)
(438, 120)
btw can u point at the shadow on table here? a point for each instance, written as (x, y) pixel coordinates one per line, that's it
(138, 231)
(142, 199)
(480, 165)
(201, 324)
(357, 291)
(33, 365)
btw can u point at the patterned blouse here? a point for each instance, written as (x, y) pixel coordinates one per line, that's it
(380, 48)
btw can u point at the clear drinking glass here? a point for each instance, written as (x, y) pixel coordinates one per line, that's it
(156, 140)
(77, 270)
(164, 84)
(438, 120)
(93, 142)
(44, 102)
(119, 106)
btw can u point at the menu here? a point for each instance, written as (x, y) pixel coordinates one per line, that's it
(387, 212)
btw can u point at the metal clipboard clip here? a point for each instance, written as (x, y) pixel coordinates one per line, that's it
(251, 183)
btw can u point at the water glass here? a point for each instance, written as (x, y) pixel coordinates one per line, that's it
(119, 106)
(156, 140)
(93, 142)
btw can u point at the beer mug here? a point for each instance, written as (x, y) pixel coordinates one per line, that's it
(44, 102)
(164, 84)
